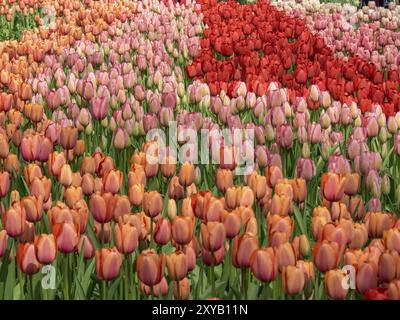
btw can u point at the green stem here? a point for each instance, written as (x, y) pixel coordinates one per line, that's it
(244, 283)
(65, 276)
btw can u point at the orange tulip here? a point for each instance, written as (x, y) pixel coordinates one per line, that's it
(108, 263)
(327, 255)
(176, 265)
(27, 259)
(162, 231)
(223, 179)
(212, 235)
(86, 244)
(136, 194)
(332, 186)
(243, 248)
(334, 284)
(264, 264)
(292, 280)
(68, 137)
(45, 248)
(67, 236)
(14, 221)
(182, 229)
(186, 174)
(112, 181)
(184, 289)
(150, 267)
(98, 208)
(152, 203)
(4, 183)
(366, 277)
(126, 238)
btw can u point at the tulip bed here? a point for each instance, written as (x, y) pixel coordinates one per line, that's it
(86, 212)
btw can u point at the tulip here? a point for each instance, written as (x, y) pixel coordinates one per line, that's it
(152, 203)
(391, 239)
(183, 292)
(150, 267)
(182, 230)
(327, 255)
(45, 248)
(176, 265)
(212, 235)
(126, 238)
(223, 179)
(27, 260)
(264, 264)
(186, 174)
(98, 208)
(14, 221)
(243, 248)
(65, 176)
(305, 168)
(162, 231)
(108, 263)
(67, 236)
(213, 258)
(332, 186)
(394, 290)
(86, 244)
(284, 136)
(285, 255)
(292, 280)
(112, 181)
(334, 284)
(4, 183)
(377, 294)
(160, 289)
(68, 137)
(366, 277)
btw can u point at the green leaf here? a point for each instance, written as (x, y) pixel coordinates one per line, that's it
(385, 162)
(10, 281)
(113, 288)
(300, 220)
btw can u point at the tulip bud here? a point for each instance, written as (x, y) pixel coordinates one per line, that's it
(171, 210)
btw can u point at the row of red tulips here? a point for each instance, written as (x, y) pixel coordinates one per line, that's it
(259, 44)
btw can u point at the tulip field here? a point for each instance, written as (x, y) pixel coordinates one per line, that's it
(200, 149)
